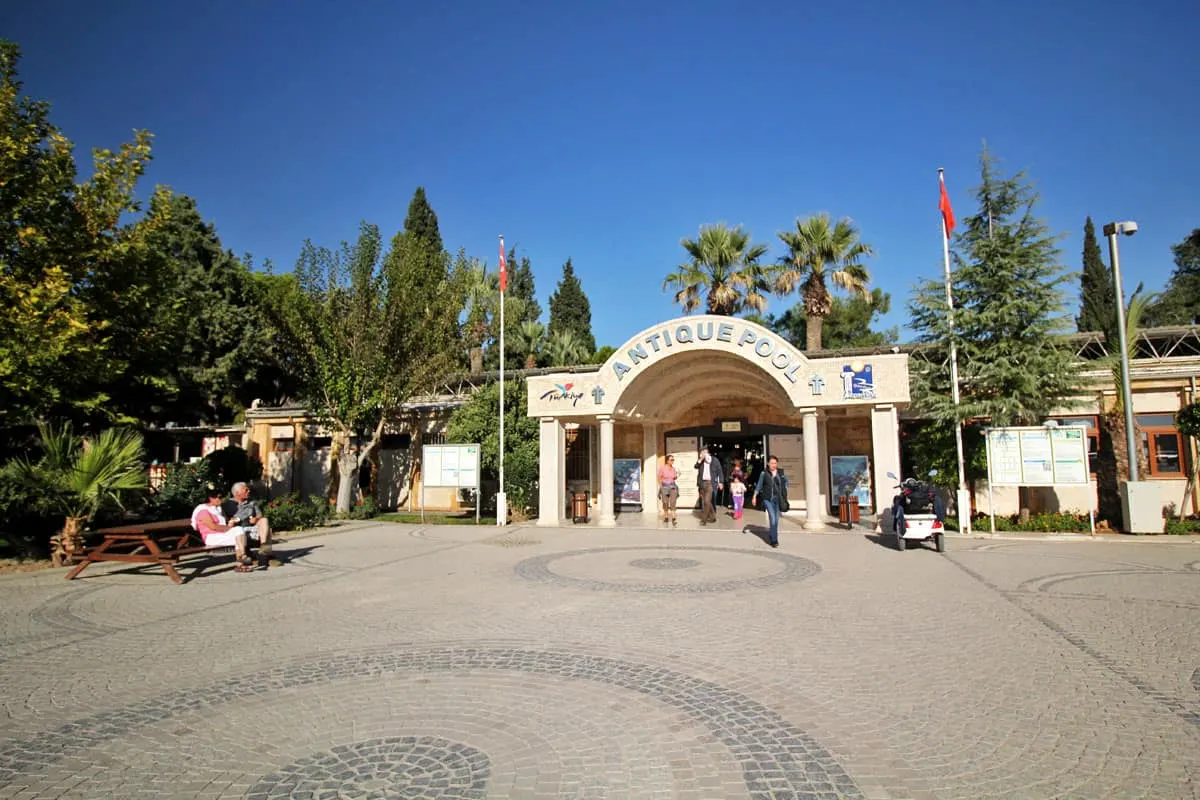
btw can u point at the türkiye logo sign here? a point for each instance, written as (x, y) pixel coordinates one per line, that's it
(563, 392)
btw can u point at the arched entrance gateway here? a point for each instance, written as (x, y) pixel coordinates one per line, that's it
(730, 385)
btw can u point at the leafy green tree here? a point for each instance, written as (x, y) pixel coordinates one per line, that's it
(368, 332)
(77, 477)
(64, 261)
(821, 254)
(848, 324)
(602, 354)
(476, 421)
(1099, 299)
(480, 291)
(1009, 305)
(722, 273)
(201, 349)
(570, 309)
(1179, 303)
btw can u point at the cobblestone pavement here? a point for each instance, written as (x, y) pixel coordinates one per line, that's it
(459, 662)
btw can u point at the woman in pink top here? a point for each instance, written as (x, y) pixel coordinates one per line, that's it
(668, 489)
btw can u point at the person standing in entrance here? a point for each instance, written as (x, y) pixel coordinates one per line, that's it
(668, 489)
(772, 486)
(708, 475)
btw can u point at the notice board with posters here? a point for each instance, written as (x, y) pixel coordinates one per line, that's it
(1038, 456)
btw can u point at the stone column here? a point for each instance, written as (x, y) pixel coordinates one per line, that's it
(885, 442)
(607, 508)
(814, 518)
(551, 461)
(823, 460)
(650, 472)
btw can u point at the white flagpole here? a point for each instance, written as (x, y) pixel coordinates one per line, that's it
(964, 497)
(502, 498)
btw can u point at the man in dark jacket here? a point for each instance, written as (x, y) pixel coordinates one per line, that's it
(708, 475)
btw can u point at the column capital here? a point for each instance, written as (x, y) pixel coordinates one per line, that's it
(883, 407)
(604, 418)
(548, 419)
(810, 411)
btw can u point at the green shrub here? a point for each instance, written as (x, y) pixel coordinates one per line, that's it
(23, 530)
(1051, 522)
(185, 487)
(364, 509)
(1183, 526)
(293, 513)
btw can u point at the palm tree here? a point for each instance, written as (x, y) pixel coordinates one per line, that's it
(531, 340)
(723, 271)
(564, 348)
(820, 254)
(1110, 472)
(78, 477)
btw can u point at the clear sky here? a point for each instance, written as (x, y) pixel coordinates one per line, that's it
(607, 131)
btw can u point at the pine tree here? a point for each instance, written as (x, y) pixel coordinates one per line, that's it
(571, 311)
(1099, 303)
(1009, 306)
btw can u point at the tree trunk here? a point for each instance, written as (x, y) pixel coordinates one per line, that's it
(813, 325)
(347, 479)
(476, 360)
(1108, 469)
(68, 543)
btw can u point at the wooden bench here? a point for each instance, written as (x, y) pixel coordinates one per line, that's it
(162, 543)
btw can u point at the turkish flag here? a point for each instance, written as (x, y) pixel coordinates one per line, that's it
(944, 207)
(503, 268)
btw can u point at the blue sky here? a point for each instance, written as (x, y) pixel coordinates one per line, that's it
(608, 131)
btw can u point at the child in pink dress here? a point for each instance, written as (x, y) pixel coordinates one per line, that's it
(738, 490)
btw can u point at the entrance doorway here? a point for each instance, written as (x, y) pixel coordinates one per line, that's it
(749, 449)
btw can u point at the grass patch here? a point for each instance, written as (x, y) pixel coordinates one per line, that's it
(435, 518)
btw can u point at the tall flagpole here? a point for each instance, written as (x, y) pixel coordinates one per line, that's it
(502, 498)
(964, 498)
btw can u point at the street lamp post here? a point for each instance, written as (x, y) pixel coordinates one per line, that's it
(1111, 230)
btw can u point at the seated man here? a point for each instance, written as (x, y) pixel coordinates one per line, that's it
(249, 516)
(209, 522)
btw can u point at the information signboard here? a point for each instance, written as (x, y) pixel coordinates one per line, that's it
(627, 481)
(450, 466)
(1038, 456)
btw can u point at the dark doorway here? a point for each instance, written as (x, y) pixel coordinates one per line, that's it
(740, 447)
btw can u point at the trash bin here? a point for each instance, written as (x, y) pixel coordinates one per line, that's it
(848, 513)
(579, 507)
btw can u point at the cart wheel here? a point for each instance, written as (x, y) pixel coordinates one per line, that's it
(939, 541)
(899, 542)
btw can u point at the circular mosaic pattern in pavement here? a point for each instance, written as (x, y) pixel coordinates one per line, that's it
(664, 563)
(383, 769)
(777, 759)
(715, 569)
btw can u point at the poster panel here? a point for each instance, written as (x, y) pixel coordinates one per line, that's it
(627, 481)
(850, 475)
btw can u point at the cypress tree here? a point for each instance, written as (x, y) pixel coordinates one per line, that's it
(570, 309)
(422, 222)
(1098, 311)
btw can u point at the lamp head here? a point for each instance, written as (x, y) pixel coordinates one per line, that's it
(1129, 228)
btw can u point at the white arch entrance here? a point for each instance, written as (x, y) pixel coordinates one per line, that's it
(691, 380)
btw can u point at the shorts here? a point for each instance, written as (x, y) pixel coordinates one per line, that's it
(229, 538)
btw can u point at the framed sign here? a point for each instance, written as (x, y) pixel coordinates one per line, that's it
(450, 466)
(1037, 456)
(627, 481)
(850, 475)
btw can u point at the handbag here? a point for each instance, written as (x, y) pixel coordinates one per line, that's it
(781, 493)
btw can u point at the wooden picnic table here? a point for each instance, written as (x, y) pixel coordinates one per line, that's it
(160, 543)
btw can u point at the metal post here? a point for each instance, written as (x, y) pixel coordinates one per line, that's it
(1126, 394)
(964, 514)
(501, 497)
